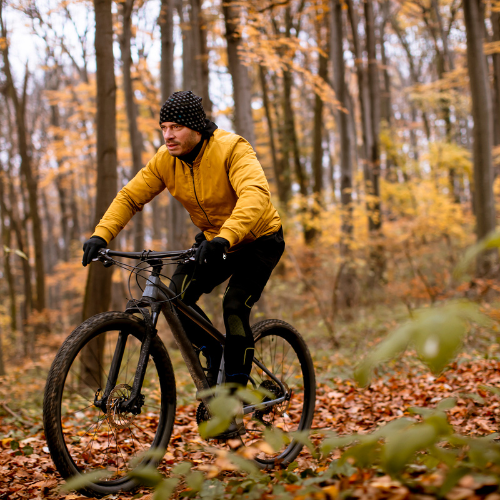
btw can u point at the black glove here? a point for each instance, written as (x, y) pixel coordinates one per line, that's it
(198, 239)
(212, 252)
(91, 248)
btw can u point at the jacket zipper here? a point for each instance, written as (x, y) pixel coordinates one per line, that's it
(196, 196)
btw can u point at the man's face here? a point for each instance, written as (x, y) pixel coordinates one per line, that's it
(179, 139)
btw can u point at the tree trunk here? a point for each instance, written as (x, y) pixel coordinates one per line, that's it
(495, 22)
(200, 55)
(317, 160)
(242, 85)
(7, 265)
(484, 202)
(135, 135)
(279, 177)
(177, 217)
(52, 248)
(98, 289)
(26, 167)
(344, 294)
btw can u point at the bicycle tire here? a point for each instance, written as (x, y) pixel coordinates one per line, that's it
(70, 458)
(302, 403)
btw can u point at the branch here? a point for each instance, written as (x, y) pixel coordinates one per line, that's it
(24, 421)
(310, 288)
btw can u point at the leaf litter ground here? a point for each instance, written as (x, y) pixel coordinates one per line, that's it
(26, 470)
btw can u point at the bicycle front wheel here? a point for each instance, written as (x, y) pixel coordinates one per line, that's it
(84, 438)
(282, 350)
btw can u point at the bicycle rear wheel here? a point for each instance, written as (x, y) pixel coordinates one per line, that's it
(282, 350)
(83, 438)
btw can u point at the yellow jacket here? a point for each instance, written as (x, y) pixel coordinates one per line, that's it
(225, 191)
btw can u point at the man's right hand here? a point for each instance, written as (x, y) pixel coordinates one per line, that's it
(91, 249)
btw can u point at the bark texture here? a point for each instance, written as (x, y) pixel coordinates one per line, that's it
(98, 290)
(484, 202)
(136, 142)
(242, 89)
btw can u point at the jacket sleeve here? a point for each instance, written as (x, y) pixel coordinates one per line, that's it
(248, 180)
(131, 198)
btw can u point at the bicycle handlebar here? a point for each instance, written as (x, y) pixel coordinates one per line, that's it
(145, 254)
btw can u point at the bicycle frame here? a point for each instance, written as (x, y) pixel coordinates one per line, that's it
(161, 299)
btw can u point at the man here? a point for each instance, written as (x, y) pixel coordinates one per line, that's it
(216, 176)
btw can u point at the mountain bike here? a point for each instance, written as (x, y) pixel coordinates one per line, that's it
(110, 396)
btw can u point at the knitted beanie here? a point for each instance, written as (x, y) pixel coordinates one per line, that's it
(184, 108)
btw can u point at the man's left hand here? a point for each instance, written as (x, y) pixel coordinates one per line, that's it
(212, 252)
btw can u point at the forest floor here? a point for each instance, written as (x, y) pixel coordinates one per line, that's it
(27, 471)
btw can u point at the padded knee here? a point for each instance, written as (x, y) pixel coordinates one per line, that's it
(239, 349)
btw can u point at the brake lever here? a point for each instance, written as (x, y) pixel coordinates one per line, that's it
(103, 257)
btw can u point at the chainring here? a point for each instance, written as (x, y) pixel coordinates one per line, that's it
(202, 414)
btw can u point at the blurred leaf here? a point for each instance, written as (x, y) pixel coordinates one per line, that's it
(492, 240)
(276, 438)
(446, 404)
(437, 334)
(147, 475)
(303, 438)
(213, 427)
(182, 469)
(194, 480)
(81, 480)
(243, 464)
(165, 489)
(400, 447)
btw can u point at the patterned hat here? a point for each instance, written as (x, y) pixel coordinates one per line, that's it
(184, 108)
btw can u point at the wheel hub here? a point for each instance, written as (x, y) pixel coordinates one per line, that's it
(118, 418)
(278, 409)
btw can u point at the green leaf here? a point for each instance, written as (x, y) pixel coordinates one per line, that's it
(155, 454)
(489, 388)
(28, 450)
(446, 404)
(243, 464)
(183, 468)
(400, 447)
(81, 480)
(334, 442)
(213, 427)
(492, 240)
(165, 489)
(194, 480)
(291, 467)
(365, 453)
(21, 254)
(147, 475)
(451, 479)
(275, 437)
(303, 438)
(225, 407)
(249, 396)
(393, 426)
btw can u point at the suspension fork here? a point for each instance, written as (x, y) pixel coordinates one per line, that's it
(133, 403)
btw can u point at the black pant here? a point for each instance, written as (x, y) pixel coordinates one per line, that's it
(249, 269)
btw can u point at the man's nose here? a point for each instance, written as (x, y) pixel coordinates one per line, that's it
(167, 134)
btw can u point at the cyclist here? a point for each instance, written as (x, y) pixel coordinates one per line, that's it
(216, 176)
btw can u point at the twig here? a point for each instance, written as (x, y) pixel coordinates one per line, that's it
(24, 421)
(309, 287)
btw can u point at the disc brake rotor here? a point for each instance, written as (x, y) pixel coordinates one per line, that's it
(116, 417)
